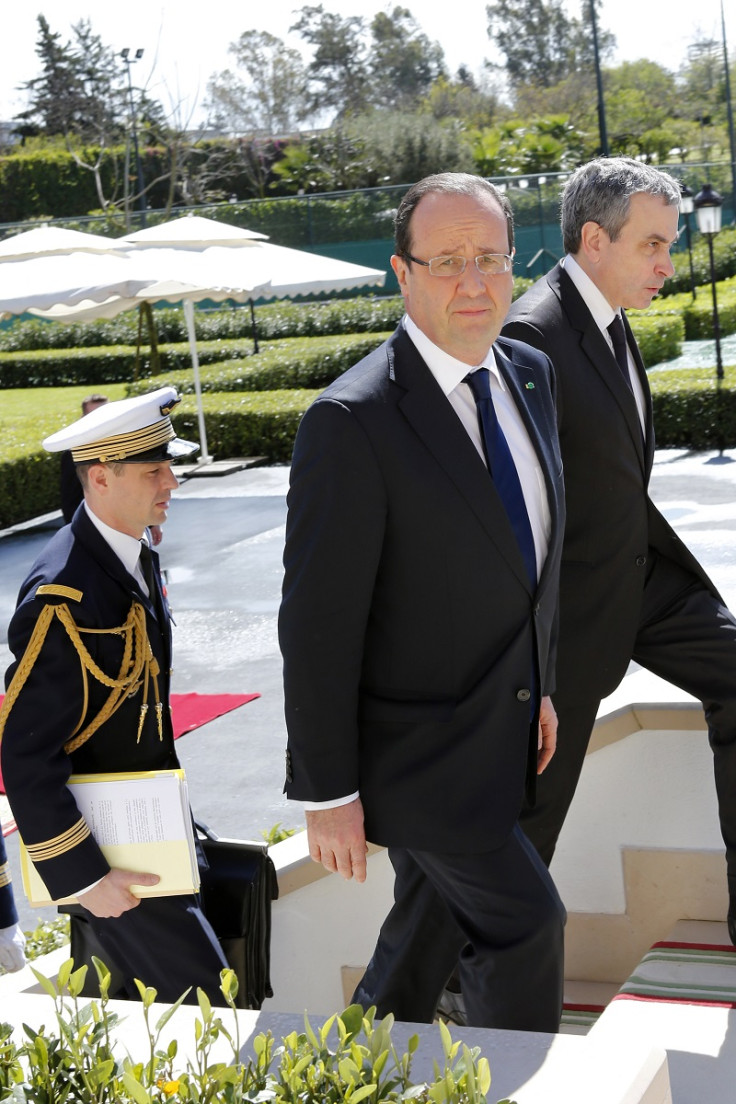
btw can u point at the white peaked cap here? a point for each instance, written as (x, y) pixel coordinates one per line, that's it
(136, 430)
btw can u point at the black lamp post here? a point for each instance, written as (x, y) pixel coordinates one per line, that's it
(128, 61)
(708, 204)
(686, 209)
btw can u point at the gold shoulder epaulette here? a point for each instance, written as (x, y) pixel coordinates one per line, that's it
(57, 590)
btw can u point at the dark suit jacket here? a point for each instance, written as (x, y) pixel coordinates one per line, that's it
(408, 623)
(611, 521)
(53, 702)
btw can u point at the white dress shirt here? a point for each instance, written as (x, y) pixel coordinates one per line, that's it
(126, 548)
(450, 374)
(603, 315)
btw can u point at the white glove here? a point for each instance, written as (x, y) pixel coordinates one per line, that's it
(12, 948)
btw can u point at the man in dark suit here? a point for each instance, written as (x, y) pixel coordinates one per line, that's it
(88, 692)
(629, 587)
(417, 639)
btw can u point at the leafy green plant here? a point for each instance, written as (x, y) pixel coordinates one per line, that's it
(47, 937)
(349, 1059)
(277, 833)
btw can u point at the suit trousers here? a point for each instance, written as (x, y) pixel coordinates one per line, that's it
(688, 637)
(509, 922)
(165, 942)
(685, 635)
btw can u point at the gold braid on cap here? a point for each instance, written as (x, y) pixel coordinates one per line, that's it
(122, 445)
(139, 666)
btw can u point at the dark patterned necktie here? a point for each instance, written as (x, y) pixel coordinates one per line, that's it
(620, 349)
(150, 576)
(502, 468)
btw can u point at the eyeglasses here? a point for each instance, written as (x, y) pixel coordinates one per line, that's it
(488, 264)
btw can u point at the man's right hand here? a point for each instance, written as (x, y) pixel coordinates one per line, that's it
(112, 896)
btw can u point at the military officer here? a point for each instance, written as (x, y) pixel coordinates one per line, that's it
(88, 692)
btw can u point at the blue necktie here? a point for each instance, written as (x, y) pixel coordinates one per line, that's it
(502, 468)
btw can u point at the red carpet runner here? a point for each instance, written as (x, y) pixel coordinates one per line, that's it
(189, 711)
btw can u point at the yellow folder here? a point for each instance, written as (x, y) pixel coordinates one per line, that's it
(141, 821)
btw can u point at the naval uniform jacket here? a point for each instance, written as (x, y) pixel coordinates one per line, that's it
(408, 623)
(79, 569)
(612, 527)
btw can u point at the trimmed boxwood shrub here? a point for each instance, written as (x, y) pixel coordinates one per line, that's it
(692, 411)
(262, 424)
(273, 320)
(247, 425)
(659, 336)
(689, 412)
(298, 362)
(29, 487)
(108, 364)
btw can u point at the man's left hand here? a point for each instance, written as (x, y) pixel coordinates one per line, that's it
(547, 734)
(337, 839)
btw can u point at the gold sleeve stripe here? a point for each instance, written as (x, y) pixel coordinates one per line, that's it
(4, 875)
(56, 590)
(53, 848)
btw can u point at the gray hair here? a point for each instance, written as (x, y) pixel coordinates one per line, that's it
(601, 192)
(449, 183)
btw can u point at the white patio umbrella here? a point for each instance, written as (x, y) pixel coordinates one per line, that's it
(192, 258)
(43, 282)
(48, 240)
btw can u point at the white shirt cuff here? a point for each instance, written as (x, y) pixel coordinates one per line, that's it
(335, 803)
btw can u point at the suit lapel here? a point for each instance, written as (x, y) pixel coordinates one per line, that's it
(431, 416)
(601, 358)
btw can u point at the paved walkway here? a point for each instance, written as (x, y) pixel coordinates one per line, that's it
(222, 551)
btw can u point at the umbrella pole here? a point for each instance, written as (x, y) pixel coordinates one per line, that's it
(189, 317)
(253, 324)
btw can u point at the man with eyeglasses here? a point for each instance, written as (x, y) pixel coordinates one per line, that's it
(417, 622)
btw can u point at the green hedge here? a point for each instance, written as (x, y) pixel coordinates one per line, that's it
(724, 261)
(691, 411)
(659, 336)
(107, 364)
(262, 424)
(29, 487)
(273, 320)
(297, 362)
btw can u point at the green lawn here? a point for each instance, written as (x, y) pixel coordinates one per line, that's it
(28, 415)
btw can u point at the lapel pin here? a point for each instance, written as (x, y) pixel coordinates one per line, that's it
(529, 386)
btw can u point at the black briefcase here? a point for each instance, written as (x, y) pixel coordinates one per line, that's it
(237, 890)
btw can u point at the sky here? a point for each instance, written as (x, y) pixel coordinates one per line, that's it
(184, 45)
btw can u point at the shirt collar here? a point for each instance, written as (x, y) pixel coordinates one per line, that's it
(125, 547)
(446, 369)
(594, 299)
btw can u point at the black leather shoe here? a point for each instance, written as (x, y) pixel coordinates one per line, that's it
(731, 919)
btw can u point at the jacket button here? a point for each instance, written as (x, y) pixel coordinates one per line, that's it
(641, 561)
(523, 695)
